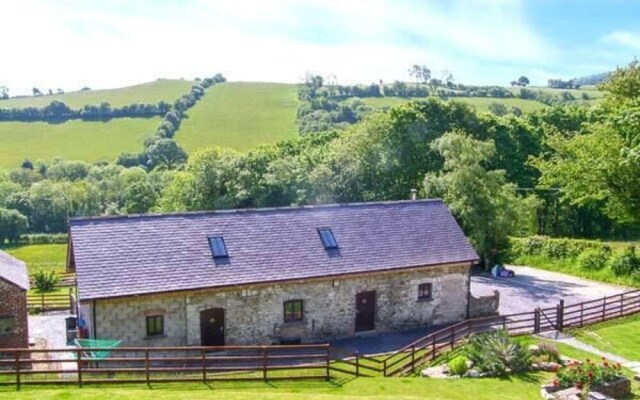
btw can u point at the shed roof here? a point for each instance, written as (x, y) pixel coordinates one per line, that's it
(142, 254)
(13, 270)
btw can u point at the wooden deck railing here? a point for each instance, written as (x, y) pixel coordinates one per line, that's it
(164, 364)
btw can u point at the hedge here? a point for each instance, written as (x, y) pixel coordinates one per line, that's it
(554, 247)
(44, 238)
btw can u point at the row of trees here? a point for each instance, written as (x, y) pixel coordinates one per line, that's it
(58, 111)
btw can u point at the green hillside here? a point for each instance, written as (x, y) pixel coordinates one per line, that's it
(480, 103)
(150, 92)
(241, 115)
(80, 140)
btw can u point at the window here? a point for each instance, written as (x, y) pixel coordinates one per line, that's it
(6, 325)
(328, 240)
(293, 310)
(155, 325)
(218, 247)
(424, 291)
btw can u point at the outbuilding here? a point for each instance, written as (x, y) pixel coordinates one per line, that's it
(14, 284)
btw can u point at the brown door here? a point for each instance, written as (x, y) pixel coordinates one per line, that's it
(212, 327)
(365, 311)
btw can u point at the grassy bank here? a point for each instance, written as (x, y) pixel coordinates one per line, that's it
(618, 337)
(44, 257)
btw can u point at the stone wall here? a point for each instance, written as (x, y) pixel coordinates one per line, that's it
(484, 306)
(13, 303)
(254, 314)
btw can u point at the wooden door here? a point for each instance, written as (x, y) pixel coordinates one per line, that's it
(365, 311)
(212, 327)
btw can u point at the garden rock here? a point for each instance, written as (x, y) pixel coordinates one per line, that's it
(534, 349)
(440, 371)
(473, 373)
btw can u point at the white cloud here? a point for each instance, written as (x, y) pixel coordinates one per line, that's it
(73, 43)
(626, 39)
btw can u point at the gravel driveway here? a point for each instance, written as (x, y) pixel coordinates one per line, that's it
(533, 288)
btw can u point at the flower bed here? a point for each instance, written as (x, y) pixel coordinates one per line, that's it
(605, 378)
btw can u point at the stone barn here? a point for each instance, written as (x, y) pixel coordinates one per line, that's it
(274, 275)
(14, 284)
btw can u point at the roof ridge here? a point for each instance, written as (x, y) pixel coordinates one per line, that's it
(250, 210)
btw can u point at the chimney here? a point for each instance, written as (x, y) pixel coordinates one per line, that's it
(414, 194)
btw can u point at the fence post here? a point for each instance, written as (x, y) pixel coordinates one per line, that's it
(79, 358)
(42, 302)
(203, 356)
(17, 368)
(384, 367)
(621, 304)
(453, 336)
(536, 320)
(357, 355)
(604, 308)
(146, 366)
(328, 368)
(72, 302)
(264, 363)
(560, 316)
(433, 348)
(581, 314)
(413, 358)
(504, 322)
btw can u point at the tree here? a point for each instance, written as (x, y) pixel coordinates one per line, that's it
(166, 154)
(36, 92)
(421, 73)
(498, 109)
(523, 81)
(12, 225)
(139, 197)
(4, 92)
(482, 200)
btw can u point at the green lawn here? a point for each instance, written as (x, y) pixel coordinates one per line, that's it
(618, 337)
(241, 115)
(151, 92)
(480, 103)
(78, 140)
(44, 257)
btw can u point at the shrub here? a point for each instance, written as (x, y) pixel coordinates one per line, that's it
(44, 238)
(496, 354)
(458, 365)
(45, 281)
(626, 263)
(593, 259)
(553, 247)
(550, 351)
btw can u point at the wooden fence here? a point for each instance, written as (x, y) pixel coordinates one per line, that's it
(164, 364)
(405, 360)
(43, 302)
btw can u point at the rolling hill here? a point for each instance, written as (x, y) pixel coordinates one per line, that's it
(241, 115)
(151, 92)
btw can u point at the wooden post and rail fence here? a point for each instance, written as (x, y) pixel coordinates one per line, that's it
(148, 365)
(43, 302)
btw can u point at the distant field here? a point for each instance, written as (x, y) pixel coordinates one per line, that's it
(151, 92)
(44, 257)
(241, 115)
(480, 103)
(591, 91)
(78, 140)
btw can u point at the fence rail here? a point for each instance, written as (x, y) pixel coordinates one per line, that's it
(164, 364)
(43, 302)
(405, 360)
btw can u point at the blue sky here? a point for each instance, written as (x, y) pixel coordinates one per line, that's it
(73, 43)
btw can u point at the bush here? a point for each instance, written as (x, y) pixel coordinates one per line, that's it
(45, 281)
(496, 354)
(626, 263)
(44, 238)
(549, 351)
(588, 374)
(458, 365)
(553, 247)
(593, 259)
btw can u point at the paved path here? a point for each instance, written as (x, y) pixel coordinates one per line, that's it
(49, 329)
(573, 342)
(532, 288)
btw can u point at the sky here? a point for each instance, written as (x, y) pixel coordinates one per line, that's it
(69, 44)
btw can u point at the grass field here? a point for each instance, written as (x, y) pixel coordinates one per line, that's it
(44, 257)
(150, 92)
(241, 116)
(80, 140)
(619, 337)
(480, 103)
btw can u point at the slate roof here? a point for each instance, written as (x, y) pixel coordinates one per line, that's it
(13, 270)
(131, 255)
